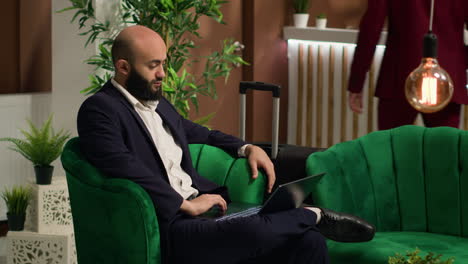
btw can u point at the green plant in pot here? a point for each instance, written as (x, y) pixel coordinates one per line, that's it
(321, 21)
(301, 13)
(17, 199)
(178, 22)
(322, 16)
(41, 146)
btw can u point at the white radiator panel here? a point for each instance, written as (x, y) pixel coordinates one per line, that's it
(329, 121)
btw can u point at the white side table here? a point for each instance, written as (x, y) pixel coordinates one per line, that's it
(49, 211)
(31, 247)
(48, 237)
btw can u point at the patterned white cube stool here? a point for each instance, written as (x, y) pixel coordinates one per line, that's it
(49, 210)
(33, 248)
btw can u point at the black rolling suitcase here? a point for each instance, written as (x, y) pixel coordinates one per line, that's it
(289, 160)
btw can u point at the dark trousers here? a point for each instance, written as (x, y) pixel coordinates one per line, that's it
(398, 112)
(284, 237)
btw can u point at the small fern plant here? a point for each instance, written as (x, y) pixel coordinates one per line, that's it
(17, 199)
(42, 145)
(321, 16)
(414, 258)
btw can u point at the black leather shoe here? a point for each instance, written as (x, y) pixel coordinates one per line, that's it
(343, 227)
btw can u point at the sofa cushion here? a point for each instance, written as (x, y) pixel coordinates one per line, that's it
(386, 244)
(409, 178)
(218, 166)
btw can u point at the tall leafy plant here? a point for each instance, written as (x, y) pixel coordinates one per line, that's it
(177, 21)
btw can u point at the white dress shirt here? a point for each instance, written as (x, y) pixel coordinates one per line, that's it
(169, 150)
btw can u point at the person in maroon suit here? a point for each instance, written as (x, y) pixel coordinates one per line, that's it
(408, 22)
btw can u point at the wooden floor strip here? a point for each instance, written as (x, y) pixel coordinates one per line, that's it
(331, 96)
(344, 94)
(355, 125)
(319, 105)
(300, 94)
(310, 98)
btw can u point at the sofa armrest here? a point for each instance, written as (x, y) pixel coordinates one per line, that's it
(218, 166)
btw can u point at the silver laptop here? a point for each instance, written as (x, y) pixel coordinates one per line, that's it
(287, 196)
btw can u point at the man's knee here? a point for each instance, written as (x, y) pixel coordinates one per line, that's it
(313, 240)
(311, 247)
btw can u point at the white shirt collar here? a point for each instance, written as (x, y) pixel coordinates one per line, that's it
(132, 100)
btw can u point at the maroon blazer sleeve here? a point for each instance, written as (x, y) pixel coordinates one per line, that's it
(369, 34)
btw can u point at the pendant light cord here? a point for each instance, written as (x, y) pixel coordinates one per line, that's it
(432, 16)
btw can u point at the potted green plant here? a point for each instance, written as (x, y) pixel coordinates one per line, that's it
(41, 146)
(177, 21)
(414, 258)
(17, 199)
(321, 21)
(301, 13)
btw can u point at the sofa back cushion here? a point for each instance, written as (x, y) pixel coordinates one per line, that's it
(218, 166)
(404, 179)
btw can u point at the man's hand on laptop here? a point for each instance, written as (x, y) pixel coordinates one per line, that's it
(203, 203)
(259, 159)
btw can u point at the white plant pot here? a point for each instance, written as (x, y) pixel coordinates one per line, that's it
(300, 20)
(321, 23)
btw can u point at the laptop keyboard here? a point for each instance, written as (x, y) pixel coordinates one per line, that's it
(245, 213)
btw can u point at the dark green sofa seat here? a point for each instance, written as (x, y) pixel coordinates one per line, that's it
(114, 219)
(386, 244)
(411, 182)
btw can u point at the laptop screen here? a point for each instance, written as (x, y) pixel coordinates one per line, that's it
(290, 195)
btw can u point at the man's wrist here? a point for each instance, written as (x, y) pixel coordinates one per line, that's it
(243, 151)
(186, 206)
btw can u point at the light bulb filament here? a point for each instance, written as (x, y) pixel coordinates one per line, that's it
(429, 90)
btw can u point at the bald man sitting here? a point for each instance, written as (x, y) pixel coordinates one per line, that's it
(129, 130)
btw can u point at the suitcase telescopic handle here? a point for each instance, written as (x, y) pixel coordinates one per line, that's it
(275, 89)
(261, 86)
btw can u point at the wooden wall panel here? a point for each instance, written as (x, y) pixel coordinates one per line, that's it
(318, 138)
(9, 64)
(262, 37)
(331, 95)
(26, 47)
(35, 46)
(370, 99)
(300, 94)
(344, 93)
(310, 98)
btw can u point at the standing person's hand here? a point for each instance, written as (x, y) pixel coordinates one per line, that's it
(202, 204)
(355, 102)
(259, 159)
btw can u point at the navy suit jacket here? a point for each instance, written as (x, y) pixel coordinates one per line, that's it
(115, 140)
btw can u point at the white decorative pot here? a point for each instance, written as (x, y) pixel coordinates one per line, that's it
(300, 20)
(321, 23)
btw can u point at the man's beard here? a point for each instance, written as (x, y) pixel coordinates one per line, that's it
(141, 88)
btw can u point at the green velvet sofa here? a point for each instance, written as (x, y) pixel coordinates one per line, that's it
(410, 182)
(114, 219)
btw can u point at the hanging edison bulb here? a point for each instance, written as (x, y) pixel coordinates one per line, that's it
(429, 88)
